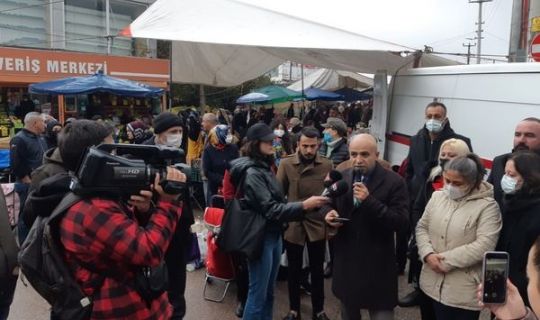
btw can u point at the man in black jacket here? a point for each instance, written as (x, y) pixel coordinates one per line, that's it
(365, 272)
(334, 145)
(423, 155)
(26, 153)
(526, 137)
(169, 129)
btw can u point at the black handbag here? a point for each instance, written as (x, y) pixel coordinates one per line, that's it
(152, 282)
(242, 229)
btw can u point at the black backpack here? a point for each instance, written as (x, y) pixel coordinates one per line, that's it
(41, 256)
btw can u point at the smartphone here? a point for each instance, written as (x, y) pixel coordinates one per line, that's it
(495, 275)
(339, 219)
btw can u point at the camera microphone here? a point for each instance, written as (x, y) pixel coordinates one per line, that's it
(337, 189)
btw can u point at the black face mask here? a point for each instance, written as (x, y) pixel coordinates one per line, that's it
(443, 162)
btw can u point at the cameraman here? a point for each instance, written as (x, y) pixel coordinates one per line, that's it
(169, 129)
(112, 241)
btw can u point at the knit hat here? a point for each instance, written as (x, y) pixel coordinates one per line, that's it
(166, 120)
(138, 128)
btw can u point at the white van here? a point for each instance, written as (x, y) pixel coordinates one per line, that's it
(485, 102)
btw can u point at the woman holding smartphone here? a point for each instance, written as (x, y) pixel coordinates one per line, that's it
(514, 308)
(521, 214)
(460, 223)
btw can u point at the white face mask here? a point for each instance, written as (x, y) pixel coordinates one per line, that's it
(229, 139)
(509, 184)
(174, 140)
(454, 192)
(279, 132)
(433, 125)
(341, 109)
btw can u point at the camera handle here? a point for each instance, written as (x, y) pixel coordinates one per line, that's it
(172, 187)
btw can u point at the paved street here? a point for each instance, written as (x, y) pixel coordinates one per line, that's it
(30, 306)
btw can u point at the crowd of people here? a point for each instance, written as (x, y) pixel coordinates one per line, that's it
(438, 209)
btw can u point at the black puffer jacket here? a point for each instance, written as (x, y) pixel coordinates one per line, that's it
(26, 152)
(424, 155)
(263, 193)
(339, 154)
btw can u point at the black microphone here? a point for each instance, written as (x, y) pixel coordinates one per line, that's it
(336, 189)
(357, 175)
(333, 176)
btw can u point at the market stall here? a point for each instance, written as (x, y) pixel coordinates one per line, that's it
(117, 89)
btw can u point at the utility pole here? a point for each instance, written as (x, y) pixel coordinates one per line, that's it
(469, 45)
(479, 31)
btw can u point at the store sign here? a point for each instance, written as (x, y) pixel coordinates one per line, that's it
(52, 66)
(29, 66)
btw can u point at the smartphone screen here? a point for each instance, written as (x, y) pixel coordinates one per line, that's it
(495, 276)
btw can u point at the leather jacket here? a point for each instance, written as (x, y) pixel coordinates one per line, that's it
(263, 194)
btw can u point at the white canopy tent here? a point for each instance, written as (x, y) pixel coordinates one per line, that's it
(332, 80)
(227, 42)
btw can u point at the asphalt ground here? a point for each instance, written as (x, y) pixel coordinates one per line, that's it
(28, 305)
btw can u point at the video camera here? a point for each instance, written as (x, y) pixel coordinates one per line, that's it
(122, 170)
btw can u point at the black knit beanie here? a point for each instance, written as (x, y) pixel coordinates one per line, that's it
(165, 121)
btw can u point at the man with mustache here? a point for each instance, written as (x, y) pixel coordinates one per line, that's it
(526, 137)
(302, 176)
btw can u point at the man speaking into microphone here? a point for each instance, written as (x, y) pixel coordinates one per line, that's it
(367, 217)
(302, 175)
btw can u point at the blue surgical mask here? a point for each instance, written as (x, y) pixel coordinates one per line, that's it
(508, 184)
(327, 137)
(433, 125)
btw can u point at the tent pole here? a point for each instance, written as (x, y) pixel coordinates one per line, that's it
(170, 77)
(61, 109)
(302, 77)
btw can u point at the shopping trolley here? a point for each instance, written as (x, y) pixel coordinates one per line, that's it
(219, 265)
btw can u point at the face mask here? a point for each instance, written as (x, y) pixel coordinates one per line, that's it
(229, 139)
(508, 184)
(279, 132)
(443, 162)
(341, 109)
(454, 192)
(434, 126)
(327, 137)
(174, 140)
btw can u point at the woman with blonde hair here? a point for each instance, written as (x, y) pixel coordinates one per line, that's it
(460, 223)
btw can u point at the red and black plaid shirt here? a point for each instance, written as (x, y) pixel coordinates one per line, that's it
(102, 234)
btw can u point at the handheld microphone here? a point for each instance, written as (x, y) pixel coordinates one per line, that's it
(334, 176)
(358, 176)
(336, 189)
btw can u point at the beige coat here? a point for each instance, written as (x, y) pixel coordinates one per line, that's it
(461, 231)
(300, 182)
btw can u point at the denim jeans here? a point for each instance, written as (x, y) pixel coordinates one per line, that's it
(262, 279)
(22, 228)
